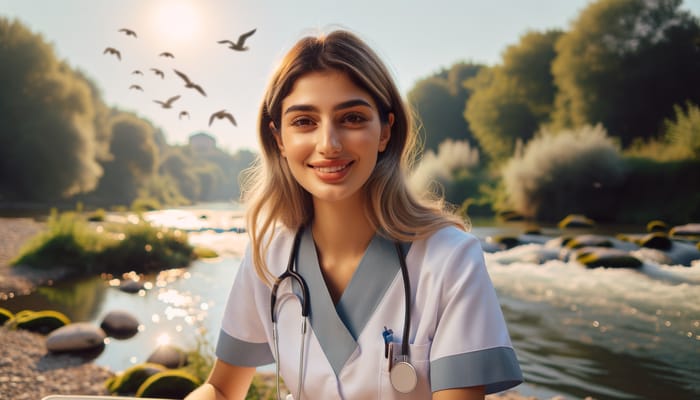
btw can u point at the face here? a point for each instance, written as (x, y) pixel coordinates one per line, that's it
(331, 134)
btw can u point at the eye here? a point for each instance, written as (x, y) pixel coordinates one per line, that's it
(354, 118)
(302, 122)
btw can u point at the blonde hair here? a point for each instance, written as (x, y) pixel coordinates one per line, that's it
(272, 195)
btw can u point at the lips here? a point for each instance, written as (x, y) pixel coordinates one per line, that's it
(331, 171)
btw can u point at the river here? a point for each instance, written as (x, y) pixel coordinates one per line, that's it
(605, 333)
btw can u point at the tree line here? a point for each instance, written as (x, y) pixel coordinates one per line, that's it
(622, 84)
(60, 142)
(601, 118)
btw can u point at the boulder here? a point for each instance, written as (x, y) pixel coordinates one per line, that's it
(169, 385)
(130, 286)
(76, 337)
(120, 324)
(657, 226)
(576, 221)
(5, 315)
(595, 257)
(42, 322)
(129, 381)
(687, 231)
(169, 356)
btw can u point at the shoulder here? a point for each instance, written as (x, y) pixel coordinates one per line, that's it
(448, 240)
(449, 255)
(276, 247)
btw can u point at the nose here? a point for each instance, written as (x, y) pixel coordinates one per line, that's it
(329, 141)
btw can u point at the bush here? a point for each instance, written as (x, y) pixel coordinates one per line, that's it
(572, 171)
(652, 189)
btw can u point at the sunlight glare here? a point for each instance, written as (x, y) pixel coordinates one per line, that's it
(177, 20)
(163, 339)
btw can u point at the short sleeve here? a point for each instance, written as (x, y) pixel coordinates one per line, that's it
(242, 339)
(471, 345)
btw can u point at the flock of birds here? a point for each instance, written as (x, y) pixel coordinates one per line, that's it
(238, 45)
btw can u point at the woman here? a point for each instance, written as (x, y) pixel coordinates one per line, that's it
(337, 142)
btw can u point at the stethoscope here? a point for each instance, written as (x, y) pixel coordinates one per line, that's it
(402, 375)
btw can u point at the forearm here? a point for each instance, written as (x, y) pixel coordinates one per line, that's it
(207, 391)
(226, 382)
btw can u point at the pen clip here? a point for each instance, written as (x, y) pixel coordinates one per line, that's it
(388, 335)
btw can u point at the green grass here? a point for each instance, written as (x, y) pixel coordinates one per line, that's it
(71, 241)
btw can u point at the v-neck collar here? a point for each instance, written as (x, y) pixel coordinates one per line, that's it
(337, 327)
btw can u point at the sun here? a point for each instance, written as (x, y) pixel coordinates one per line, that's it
(177, 20)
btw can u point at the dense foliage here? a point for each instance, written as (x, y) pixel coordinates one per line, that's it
(61, 144)
(627, 67)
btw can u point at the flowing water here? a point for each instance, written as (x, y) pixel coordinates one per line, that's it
(605, 333)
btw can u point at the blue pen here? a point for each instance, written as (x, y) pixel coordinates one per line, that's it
(388, 335)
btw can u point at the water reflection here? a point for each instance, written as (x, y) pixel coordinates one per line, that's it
(79, 299)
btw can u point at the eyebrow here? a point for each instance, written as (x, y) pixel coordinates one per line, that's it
(343, 105)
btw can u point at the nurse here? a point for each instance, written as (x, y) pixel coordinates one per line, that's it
(328, 200)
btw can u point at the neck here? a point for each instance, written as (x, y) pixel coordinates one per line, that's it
(341, 228)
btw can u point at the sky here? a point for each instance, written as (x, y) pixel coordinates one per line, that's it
(414, 38)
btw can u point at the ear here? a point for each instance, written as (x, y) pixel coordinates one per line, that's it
(385, 134)
(278, 138)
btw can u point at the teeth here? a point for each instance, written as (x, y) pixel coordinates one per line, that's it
(328, 170)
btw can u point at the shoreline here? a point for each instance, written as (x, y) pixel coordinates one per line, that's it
(27, 369)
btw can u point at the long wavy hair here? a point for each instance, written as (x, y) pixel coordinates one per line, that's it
(272, 196)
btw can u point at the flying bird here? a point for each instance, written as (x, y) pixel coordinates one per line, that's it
(168, 103)
(158, 72)
(220, 115)
(166, 54)
(183, 114)
(112, 50)
(136, 72)
(240, 44)
(189, 83)
(137, 87)
(128, 32)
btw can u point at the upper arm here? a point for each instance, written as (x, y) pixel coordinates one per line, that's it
(470, 393)
(225, 381)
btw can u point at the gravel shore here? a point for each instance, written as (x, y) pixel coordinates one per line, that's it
(27, 369)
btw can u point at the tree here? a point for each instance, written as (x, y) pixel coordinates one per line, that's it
(134, 157)
(625, 63)
(180, 167)
(510, 101)
(48, 148)
(439, 101)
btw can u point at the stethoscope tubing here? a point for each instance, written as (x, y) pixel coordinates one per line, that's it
(290, 273)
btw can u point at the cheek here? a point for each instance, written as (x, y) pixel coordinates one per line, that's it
(296, 146)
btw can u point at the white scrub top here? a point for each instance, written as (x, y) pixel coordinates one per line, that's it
(458, 336)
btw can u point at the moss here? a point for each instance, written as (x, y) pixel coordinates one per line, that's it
(607, 259)
(657, 226)
(576, 221)
(129, 381)
(170, 384)
(656, 240)
(43, 322)
(204, 252)
(5, 315)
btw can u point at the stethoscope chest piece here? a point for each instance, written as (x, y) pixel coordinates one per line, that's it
(403, 377)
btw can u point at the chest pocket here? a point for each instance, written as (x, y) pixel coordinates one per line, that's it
(420, 359)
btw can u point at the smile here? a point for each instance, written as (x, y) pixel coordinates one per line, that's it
(329, 169)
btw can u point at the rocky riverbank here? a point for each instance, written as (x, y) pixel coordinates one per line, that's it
(29, 371)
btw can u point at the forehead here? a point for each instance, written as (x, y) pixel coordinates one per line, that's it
(325, 87)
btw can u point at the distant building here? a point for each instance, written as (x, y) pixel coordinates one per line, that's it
(202, 143)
